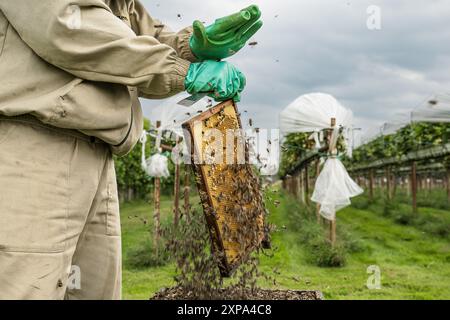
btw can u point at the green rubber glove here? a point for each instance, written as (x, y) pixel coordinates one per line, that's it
(220, 79)
(226, 36)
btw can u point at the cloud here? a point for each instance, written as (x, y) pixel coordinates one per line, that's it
(319, 45)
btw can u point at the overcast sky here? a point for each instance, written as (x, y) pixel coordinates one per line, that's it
(325, 46)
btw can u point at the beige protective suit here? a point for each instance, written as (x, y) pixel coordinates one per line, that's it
(71, 72)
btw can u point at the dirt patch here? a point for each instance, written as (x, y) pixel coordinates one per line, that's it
(177, 293)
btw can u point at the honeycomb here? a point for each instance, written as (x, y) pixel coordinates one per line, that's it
(229, 191)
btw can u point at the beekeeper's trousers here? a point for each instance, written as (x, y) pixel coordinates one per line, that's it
(59, 215)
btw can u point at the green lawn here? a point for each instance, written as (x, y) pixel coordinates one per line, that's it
(413, 264)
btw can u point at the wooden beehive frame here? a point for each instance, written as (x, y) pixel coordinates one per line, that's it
(216, 215)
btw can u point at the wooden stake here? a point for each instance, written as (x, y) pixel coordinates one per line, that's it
(157, 212)
(371, 184)
(388, 182)
(187, 191)
(317, 205)
(333, 222)
(306, 183)
(447, 184)
(414, 186)
(407, 186)
(394, 185)
(176, 194)
(301, 186)
(333, 232)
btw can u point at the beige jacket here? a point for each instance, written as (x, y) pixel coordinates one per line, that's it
(81, 64)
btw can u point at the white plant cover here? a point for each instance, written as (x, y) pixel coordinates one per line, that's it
(334, 188)
(173, 115)
(312, 113)
(438, 111)
(156, 165)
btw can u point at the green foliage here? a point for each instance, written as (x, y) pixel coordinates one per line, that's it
(320, 251)
(405, 263)
(146, 255)
(294, 148)
(131, 176)
(314, 237)
(413, 137)
(436, 198)
(361, 203)
(400, 211)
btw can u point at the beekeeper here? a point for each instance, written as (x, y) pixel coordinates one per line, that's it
(71, 72)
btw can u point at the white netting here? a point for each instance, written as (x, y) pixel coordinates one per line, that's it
(313, 113)
(156, 165)
(173, 115)
(334, 188)
(436, 109)
(433, 110)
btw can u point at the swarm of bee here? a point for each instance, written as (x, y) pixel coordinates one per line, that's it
(230, 191)
(227, 239)
(198, 277)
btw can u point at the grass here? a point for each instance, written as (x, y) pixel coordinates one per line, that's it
(435, 220)
(414, 264)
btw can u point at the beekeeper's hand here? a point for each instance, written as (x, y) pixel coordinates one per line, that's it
(226, 36)
(220, 79)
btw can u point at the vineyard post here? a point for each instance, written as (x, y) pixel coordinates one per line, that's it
(301, 185)
(292, 185)
(156, 214)
(371, 184)
(394, 184)
(295, 177)
(407, 185)
(187, 190)
(317, 175)
(388, 182)
(176, 193)
(306, 183)
(414, 186)
(289, 185)
(333, 232)
(332, 222)
(447, 178)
